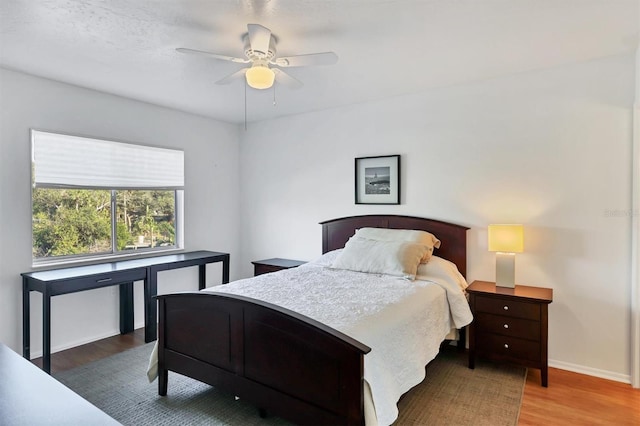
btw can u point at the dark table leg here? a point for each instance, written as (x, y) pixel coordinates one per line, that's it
(225, 270)
(46, 332)
(202, 276)
(126, 308)
(150, 306)
(26, 319)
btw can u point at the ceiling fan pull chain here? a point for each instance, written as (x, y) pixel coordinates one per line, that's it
(274, 95)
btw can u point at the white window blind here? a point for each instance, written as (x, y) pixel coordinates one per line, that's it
(73, 161)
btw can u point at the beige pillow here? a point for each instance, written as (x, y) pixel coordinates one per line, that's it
(398, 258)
(409, 235)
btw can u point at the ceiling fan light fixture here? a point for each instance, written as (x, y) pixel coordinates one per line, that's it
(260, 76)
(260, 52)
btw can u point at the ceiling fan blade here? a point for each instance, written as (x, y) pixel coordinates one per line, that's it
(232, 77)
(286, 80)
(259, 38)
(324, 58)
(212, 55)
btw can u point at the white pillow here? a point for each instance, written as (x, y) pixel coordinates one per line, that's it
(398, 258)
(326, 259)
(409, 235)
(441, 268)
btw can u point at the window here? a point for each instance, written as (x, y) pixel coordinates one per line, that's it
(99, 198)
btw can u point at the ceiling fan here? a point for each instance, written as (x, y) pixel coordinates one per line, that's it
(260, 52)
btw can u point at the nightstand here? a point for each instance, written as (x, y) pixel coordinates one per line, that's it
(272, 265)
(510, 324)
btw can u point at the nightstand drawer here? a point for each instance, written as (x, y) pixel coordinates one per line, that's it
(507, 307)
(508, 326)
(508, 347)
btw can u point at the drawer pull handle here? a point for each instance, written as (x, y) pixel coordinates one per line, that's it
(104, 280)
(506, 326)
(506, 346)
(506, 308)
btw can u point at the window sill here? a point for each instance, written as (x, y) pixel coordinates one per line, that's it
(84, 261)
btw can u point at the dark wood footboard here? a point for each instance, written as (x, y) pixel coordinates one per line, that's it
(279, 360)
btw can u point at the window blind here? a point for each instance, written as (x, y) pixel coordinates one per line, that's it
(73, 161)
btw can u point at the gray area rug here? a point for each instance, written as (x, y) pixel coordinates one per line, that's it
(450, 395)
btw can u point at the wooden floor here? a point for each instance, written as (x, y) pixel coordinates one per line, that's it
(66, 360)
(571, 399)
(575, 399)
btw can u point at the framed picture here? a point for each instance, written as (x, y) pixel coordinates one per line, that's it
(378, 180)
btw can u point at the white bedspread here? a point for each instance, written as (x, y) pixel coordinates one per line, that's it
(402, 321)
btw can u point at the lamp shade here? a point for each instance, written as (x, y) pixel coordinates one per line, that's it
(260, 77)
(506, 238)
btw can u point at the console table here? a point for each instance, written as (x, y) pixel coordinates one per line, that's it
(121, 273)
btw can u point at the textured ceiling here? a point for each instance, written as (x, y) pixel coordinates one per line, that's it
(386, 48)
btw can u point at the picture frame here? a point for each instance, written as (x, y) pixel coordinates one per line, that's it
(377, 180)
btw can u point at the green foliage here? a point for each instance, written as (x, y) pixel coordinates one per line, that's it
(68, 222)
(123, 236)
(149, 214)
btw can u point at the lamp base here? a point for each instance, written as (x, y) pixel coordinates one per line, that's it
(505, 269)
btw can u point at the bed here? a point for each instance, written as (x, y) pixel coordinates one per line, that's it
(291, 364)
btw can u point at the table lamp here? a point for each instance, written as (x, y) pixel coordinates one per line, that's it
(506, 241)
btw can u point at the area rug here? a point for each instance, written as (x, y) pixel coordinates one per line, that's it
(450, 395)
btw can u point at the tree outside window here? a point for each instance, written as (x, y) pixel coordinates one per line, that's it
(71, 222)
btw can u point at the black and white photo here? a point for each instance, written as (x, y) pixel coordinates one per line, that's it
(378, 180)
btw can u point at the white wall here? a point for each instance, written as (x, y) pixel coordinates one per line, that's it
(211, 196)
(549, 149)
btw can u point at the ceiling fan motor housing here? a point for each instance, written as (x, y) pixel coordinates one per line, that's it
(255, 55)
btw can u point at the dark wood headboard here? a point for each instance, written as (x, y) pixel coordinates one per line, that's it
(336, 232)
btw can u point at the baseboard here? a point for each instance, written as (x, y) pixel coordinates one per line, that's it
(80, 342)
(589, 371)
